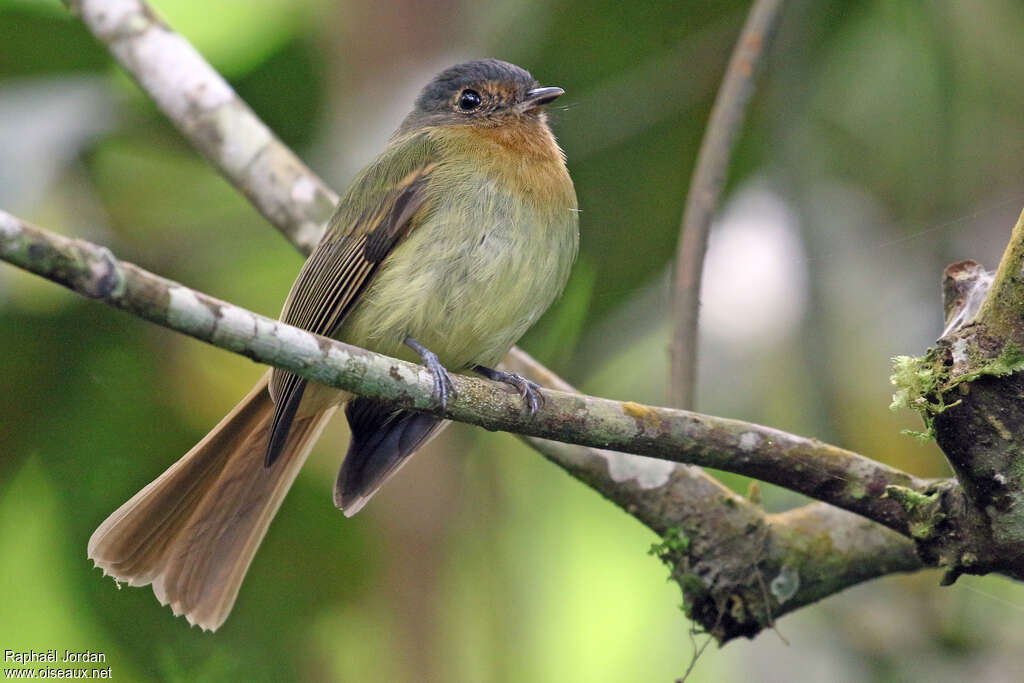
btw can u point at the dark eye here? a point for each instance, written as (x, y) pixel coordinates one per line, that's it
(469, 100)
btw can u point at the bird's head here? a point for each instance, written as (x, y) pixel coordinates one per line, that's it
(486, 93)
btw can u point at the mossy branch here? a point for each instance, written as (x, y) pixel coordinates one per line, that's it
(967, 388)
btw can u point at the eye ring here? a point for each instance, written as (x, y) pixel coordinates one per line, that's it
(469, 100)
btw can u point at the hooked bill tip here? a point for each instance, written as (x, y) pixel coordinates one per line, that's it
(540, 96)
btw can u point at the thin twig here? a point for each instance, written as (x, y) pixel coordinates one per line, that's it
(695, 655)
(709, 176)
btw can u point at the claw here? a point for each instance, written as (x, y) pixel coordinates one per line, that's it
(529, 391)
(443, 385)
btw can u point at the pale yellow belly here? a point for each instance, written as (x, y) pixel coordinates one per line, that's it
(468, 293)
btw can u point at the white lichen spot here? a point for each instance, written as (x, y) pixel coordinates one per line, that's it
(235, 322)
(187, 312)
(243, 137)
(408, 374)
(303, 189)
(959, 351)
(9, 226)
(264, 331)
(297, 341)
(749, 441)
(786, 584)
(648, 473)
(111, 16)
(337, 356)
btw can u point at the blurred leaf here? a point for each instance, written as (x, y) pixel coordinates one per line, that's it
(240, 33)
(45, 123)
(36, 587)
(287, 91)
(40, 37)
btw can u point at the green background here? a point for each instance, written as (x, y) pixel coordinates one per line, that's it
(886, 140)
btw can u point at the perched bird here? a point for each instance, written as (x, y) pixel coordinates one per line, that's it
(445, 249)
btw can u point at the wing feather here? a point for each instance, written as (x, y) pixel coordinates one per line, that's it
(334, 275)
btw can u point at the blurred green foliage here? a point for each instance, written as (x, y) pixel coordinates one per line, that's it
(892, 131)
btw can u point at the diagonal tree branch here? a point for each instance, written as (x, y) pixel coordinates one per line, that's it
(212, 117)
(709, 175)
(819, 470)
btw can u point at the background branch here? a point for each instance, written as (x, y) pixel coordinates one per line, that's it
(705, 188)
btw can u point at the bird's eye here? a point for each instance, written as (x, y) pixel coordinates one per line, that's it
(469, 100)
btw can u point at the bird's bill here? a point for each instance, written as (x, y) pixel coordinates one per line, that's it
(539, 97)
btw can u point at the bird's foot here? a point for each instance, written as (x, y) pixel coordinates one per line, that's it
(443, 385)
(530, 391)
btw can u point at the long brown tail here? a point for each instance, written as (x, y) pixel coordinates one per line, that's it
(194, 530)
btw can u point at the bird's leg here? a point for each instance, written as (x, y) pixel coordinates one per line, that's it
(530, 391)
(443, 387)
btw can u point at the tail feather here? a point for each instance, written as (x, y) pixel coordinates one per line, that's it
(382, 441)
(193, 531)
